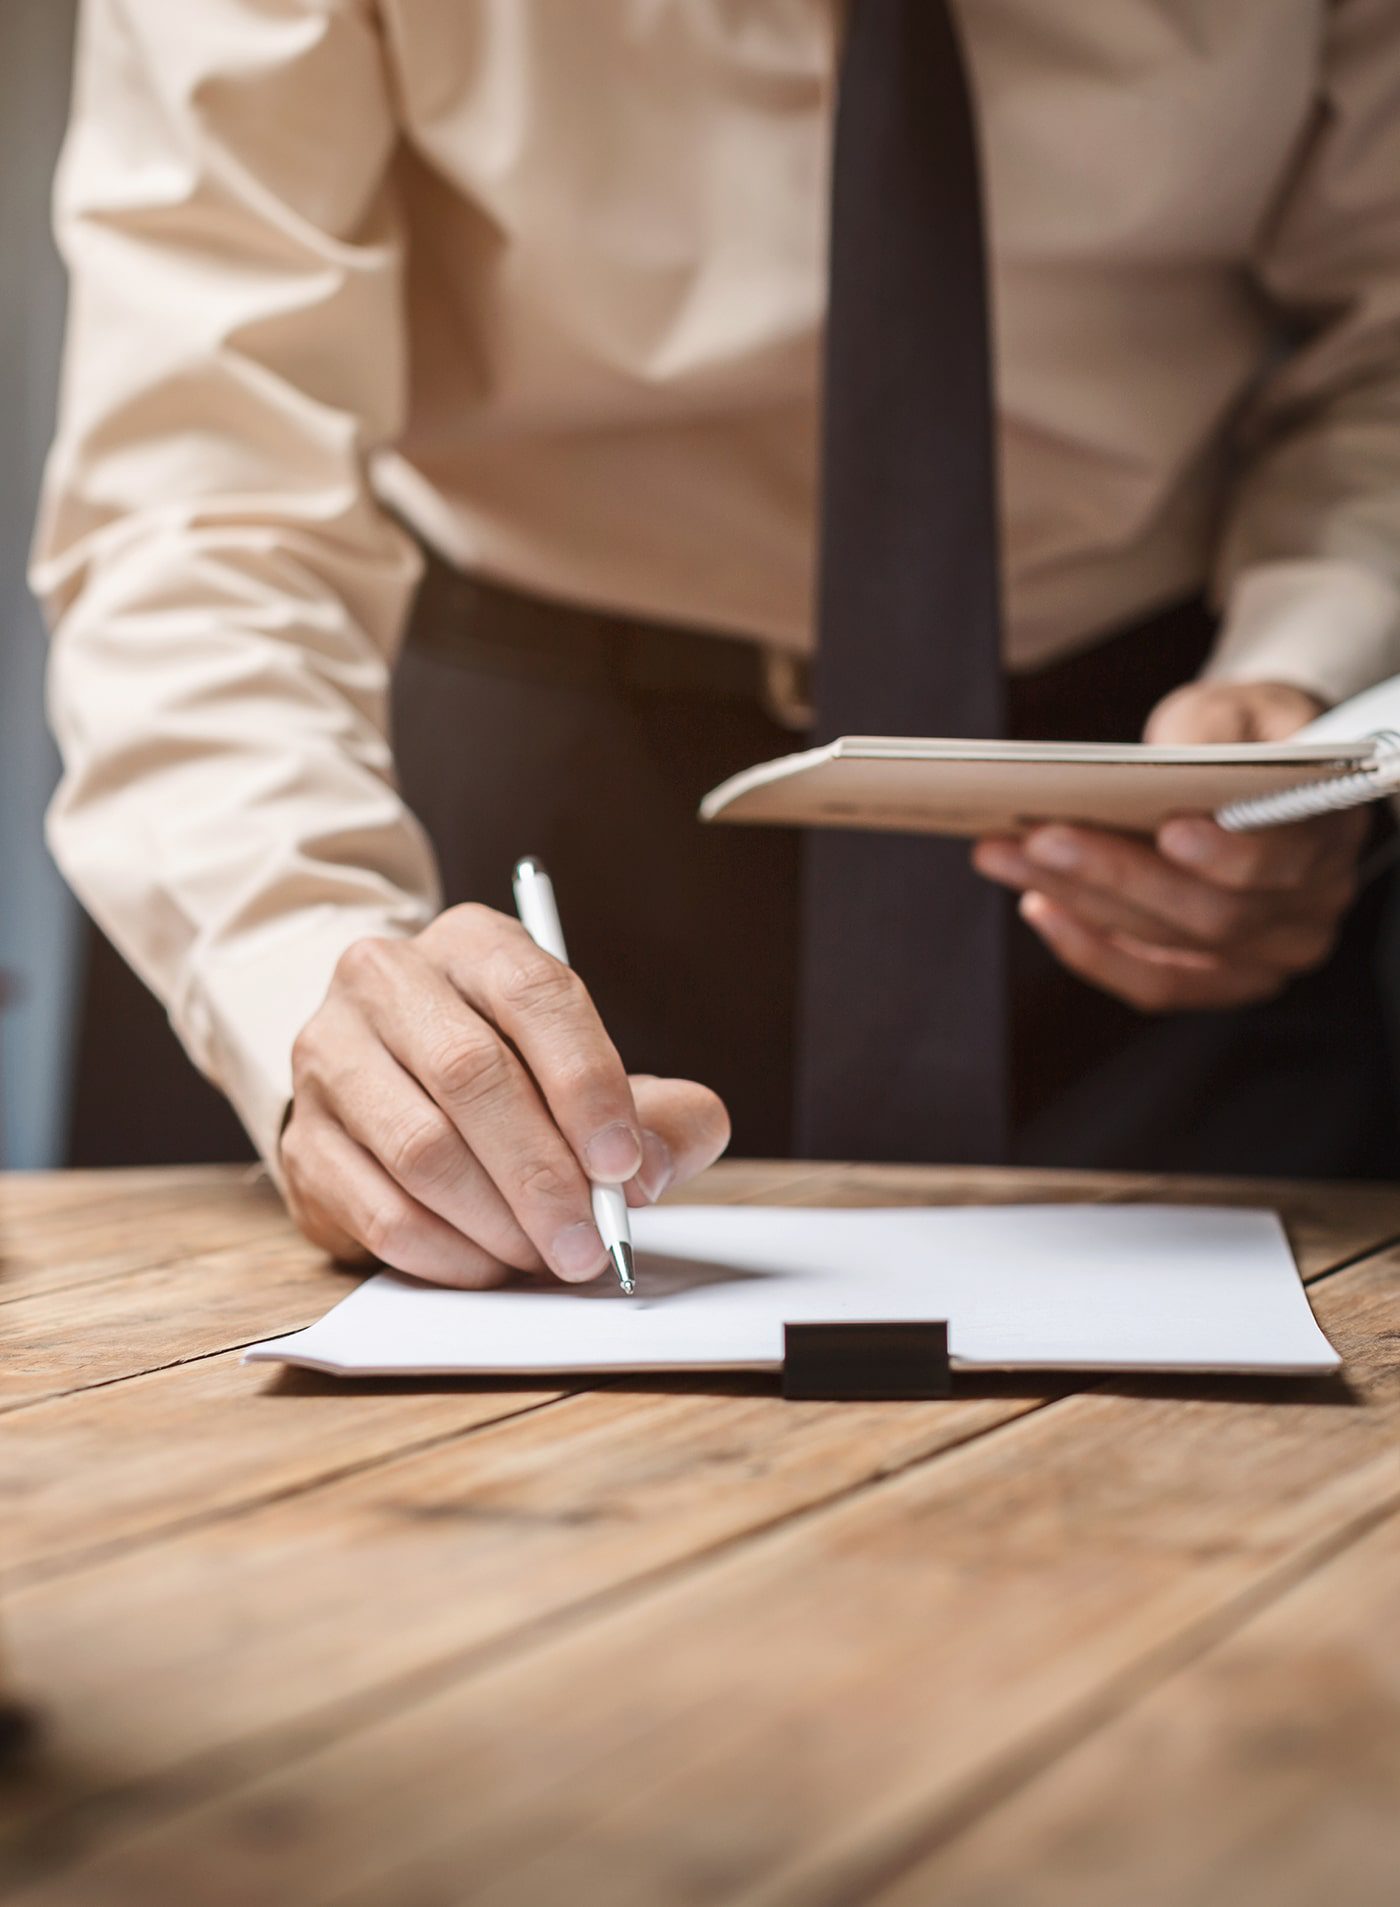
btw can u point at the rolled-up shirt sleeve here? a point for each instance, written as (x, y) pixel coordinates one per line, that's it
(226, 596)
(1309, 563)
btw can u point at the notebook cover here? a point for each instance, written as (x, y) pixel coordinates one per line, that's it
(911, 785)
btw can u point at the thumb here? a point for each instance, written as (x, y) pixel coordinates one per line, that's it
(684, 1128)
(1206, 712)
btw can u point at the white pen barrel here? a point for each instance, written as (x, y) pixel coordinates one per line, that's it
(610, 1213)
(538, 909)
(539, 916)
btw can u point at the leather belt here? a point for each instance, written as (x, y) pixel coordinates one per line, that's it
(478, 624)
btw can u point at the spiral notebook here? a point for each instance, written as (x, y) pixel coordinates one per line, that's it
(927, 785)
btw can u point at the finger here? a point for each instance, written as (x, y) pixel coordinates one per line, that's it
(545, 1010)
(1153, 981)
(685, 1127)
(386, 1111)
(317, 1222)
(1213, 712)
(1198, 713)
(1103, 908)
(472, 1075)
(338, 1177)
(1123, 886)
(1277, 859)
(1258, 930)
(1289, 944)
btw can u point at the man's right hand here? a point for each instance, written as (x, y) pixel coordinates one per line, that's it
(453, 1097)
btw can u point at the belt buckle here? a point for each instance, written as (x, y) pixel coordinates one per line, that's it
(785, 689)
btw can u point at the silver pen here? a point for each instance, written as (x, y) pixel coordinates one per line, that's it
(539, 916)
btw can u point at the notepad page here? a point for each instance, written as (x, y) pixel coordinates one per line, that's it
(1130, 1288)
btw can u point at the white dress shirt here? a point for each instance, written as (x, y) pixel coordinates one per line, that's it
(543, 280)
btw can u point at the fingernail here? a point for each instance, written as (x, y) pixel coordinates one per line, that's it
(1184, 841)
(613, 1154)
(1053, 848)
(658, 1166)
(1035, 909)
(577, 1252)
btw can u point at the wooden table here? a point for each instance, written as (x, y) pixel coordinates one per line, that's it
(1116, 1644)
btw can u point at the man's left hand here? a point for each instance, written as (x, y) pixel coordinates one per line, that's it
(1197, 918)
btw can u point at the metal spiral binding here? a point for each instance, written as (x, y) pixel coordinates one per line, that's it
(1380, 776)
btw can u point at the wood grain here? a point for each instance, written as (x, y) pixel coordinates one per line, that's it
(782, 1719)
(58, 1238)
(410, 1566)
(201, 1440)
(418, 1643)
(84, 1491)
(1266, 1770)
(79, 1336)
(197, 1431)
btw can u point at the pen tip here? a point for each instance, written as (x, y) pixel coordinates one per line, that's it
(621, 1255)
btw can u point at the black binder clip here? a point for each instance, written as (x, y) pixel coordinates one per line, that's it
(863, 1362)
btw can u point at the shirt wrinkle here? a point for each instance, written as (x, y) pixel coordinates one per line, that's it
(540, 283)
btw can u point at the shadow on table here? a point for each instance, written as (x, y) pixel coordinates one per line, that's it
(1332, 1390)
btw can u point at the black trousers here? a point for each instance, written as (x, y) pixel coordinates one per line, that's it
(687, 936)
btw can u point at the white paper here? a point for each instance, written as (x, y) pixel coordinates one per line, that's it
(1132, 1287)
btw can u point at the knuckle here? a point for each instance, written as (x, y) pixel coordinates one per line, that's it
(530, 984)
(548, 1181)
(292, 1148)
(469, 922)
(471, 1071)
(390, 1230)
(364, 963)
(422, 1151)
(304, 1052)
(585, 1076)
(313, 1051)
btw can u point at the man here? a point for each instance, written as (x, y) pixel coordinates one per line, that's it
(542, 285)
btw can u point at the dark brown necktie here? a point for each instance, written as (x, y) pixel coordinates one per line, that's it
(902, 1009)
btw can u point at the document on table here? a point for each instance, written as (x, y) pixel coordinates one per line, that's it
(1053, 1287)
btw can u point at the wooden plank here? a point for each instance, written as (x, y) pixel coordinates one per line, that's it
(170, 1304)
(862, 1184)
(65, 1228)
(76, 1486)
(78, 1478)
(1268, 1770)
(23, 1194)
(74, 1338)
(777, 1723)
(80, 1242)
(446, 1551)
(59, 1229)
(58, 1203)
(155, 1305)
